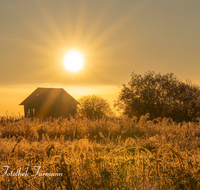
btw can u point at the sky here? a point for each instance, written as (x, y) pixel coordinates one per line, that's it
(115, 38)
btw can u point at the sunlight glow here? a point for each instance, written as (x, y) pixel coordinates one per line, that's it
(73, 61)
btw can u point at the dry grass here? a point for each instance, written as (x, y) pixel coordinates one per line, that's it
(117, 153)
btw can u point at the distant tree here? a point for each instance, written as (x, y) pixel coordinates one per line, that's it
(93, 107)
(159, 95)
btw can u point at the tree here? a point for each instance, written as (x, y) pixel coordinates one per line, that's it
(159, 95)
(93, 107)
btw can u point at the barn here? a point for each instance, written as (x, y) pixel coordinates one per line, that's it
(49, 102)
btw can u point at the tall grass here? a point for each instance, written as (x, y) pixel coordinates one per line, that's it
(115, 153)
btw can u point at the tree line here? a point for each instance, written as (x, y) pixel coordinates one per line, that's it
(160, 95)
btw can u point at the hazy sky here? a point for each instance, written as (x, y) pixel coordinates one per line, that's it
(116, 37)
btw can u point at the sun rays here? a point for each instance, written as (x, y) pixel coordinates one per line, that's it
(89, 36)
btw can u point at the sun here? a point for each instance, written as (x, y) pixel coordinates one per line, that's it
(73, 61)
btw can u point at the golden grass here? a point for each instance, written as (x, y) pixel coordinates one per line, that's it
(117, 153)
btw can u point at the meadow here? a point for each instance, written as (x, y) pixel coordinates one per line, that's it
(110, 153)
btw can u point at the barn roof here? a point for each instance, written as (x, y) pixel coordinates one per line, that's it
(48, 93)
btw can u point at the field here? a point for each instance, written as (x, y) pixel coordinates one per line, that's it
(117, 153)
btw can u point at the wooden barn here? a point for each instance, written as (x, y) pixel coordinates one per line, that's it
(49, 102)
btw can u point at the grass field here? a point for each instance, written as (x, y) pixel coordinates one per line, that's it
(117, 153)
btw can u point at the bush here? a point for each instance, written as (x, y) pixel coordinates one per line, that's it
(93, 107)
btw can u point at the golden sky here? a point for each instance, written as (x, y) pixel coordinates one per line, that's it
(115, 37)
